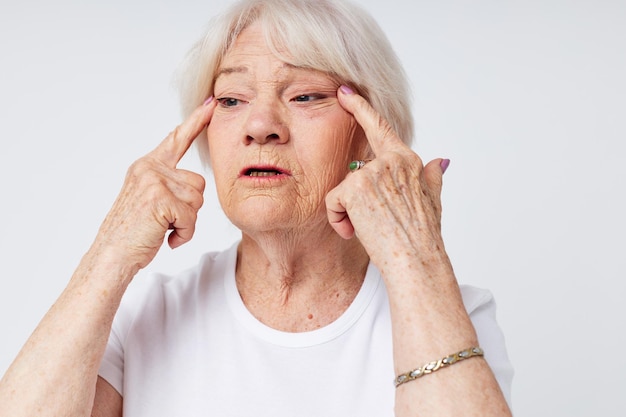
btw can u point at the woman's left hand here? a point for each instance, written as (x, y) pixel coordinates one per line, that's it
(393, 203)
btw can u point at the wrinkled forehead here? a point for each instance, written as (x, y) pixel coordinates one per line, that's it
(253, 48)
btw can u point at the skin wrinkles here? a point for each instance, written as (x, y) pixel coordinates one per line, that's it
(272, 91)
(296, 270)
(339, 292)
(290, 118)
(320, 95)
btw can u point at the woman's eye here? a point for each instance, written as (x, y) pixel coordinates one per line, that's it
(228, 102)
(305, 97)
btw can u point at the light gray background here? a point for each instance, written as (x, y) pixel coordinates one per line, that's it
(527, 98)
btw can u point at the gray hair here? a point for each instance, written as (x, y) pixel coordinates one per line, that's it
(332, 36)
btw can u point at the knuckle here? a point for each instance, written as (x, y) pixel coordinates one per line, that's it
(201, 183)
(415, 160)
(188, 217)
(153, 192)
(138, 167)
(361, 184)
(197, 202)
(394, 159)
(194, 180)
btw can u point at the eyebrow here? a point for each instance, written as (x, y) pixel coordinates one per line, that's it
(243, 69)
(231, 70)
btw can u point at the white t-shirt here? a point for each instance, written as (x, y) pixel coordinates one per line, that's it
(187, 346)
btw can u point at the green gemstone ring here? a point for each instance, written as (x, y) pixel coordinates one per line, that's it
(356, 165)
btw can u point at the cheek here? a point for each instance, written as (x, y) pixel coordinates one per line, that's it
(360, 146)
(218, 142)
(325, 157)
(213, 130)
(211, 134)
(340, 145)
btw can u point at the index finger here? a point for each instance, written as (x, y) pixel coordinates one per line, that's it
(176, 144)
(380, 135)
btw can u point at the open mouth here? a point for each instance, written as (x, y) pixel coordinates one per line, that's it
(257, 173)
(265, 171)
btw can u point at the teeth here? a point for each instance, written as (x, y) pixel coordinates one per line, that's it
(263, 173)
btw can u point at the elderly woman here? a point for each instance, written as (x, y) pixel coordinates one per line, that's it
(339, 299)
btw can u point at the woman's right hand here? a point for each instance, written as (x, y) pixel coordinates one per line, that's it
(156, 196)
(67, 346)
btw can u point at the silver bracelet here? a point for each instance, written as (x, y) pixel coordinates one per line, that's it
(431, 367)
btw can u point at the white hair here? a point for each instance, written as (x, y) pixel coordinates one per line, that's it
(333, 36)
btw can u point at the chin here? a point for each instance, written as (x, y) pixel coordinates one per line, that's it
(250, 218)
(283, 217)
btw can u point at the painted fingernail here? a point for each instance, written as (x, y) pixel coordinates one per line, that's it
(346, 90)
(445, 163)
(208, 100)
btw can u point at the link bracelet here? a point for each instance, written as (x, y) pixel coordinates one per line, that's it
(431, 367)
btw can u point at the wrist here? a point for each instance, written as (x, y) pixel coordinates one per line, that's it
(107, 266)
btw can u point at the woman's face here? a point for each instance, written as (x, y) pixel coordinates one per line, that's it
(279, 140)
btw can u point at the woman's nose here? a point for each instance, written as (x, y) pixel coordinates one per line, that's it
(266, 123)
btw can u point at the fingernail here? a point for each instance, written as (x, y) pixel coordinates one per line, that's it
(445, 163)
(208, 100)
(346, 90)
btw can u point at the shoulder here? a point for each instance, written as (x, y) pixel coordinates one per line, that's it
(155, 294)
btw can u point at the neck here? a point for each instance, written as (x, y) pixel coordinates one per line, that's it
(296, 281)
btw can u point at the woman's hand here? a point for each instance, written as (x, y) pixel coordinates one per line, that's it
(155, 197)
(393, 203)
(67, 347)
(393, 206)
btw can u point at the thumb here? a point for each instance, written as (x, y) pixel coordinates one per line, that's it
(433, 174)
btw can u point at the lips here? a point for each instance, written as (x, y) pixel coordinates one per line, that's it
(263, 171)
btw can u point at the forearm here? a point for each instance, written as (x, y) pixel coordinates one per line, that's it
(56, 371)
(55, 374)
(429, 323)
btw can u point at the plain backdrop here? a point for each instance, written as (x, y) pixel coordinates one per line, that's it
(526, 97)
